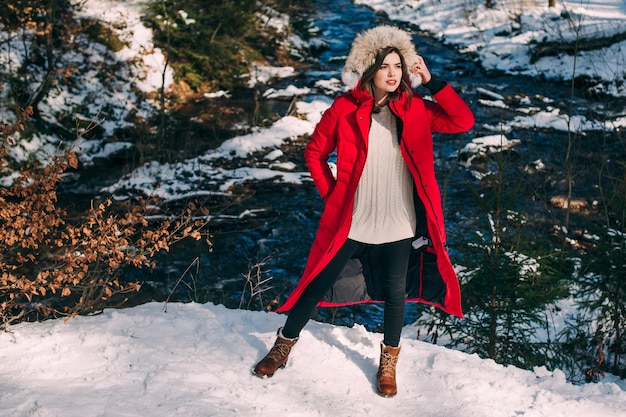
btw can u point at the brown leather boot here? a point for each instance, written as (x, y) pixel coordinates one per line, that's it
(387, 370)
(276, 358)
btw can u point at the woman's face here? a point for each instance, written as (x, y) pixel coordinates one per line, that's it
(388, 77)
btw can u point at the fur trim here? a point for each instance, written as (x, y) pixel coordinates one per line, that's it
(416, 80)
(366, 46)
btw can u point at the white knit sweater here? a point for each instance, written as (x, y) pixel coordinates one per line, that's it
(383, 207)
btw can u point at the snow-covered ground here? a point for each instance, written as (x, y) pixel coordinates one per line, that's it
(194, 360)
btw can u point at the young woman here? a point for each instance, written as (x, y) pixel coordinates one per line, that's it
(381, 235)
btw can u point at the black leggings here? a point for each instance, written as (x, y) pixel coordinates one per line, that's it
(393, 259)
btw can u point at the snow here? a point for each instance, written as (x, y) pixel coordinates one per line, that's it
(264, 73)
(503, 44)
(125, 17)
(169, 181)
(288, 92)
(195, 360)
(449, 21)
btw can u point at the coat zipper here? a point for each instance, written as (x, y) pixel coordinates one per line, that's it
(403, 143)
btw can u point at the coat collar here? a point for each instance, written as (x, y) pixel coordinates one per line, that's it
(362, 97)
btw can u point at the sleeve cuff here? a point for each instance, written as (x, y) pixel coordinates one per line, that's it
(435, 85)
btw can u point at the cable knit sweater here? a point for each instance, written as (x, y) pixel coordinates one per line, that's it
(383, 207)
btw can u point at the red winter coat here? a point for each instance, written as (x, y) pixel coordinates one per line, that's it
(344, 128)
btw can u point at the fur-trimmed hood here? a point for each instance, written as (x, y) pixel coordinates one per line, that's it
(366, 46)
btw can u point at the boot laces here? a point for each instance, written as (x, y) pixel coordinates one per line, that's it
(388, 365)
(279, 351)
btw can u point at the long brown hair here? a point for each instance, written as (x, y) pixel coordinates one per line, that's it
(367, 80)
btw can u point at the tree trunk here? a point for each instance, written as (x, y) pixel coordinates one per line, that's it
(493, 326)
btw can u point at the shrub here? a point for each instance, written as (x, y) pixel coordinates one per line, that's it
(54, 264)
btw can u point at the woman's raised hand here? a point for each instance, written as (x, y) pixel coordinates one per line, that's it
(420, 68)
